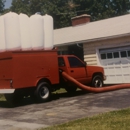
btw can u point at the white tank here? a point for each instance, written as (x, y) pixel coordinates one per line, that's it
(2, 35)
(48, 32)
(25, 32)
(37, 32)
(12, 31)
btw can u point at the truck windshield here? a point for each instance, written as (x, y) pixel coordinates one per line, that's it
(74, 62)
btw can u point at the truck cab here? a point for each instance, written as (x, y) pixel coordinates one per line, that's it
(78, 69)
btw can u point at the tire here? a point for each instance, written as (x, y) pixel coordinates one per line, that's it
(43, 92)
(97, 81)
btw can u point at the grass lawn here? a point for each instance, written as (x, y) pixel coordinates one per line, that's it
(116, 120)
(2, 98)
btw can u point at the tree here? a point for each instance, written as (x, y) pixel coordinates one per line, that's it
(57, 9)
(63, 10)
(21, 6)
(2, 5)
(120, 7)
(101, 9)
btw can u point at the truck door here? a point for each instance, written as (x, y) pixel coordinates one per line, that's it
(77, 69)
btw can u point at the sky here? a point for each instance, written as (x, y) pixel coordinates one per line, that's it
(8, 4)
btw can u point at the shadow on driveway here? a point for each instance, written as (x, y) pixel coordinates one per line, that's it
(55, 96)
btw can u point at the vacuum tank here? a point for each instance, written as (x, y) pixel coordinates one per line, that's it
(48, 32)
(36, 31)
(12, 31)
(25, 32)
(2, 35)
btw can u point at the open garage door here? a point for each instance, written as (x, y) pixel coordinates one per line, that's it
(76, 50)
(116, 63)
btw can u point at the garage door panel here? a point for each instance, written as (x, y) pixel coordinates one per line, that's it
(126, 69)
(119, 79)
(118, 70)
(116, 63)
(127, 78)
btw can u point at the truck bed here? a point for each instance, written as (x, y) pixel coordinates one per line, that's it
(26, 68)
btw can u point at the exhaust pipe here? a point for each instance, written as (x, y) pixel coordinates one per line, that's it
(91, 89)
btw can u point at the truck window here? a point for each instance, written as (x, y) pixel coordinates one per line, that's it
(74, 62)
(61, 62)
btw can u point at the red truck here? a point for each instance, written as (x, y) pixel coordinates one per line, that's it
(38, 73)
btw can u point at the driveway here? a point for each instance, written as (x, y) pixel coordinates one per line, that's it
(63, 108)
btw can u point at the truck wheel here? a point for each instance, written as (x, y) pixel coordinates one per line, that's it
(97, 81)
(43, 92)
(70, 89)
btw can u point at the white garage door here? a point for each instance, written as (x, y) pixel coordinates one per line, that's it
(116, 63)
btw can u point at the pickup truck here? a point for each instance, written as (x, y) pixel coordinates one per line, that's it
(38, 73)
(79, 70)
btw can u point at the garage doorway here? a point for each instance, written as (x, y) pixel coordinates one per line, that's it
(76, 50)
(116, 63)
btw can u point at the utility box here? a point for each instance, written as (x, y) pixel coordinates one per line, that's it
(23, 69)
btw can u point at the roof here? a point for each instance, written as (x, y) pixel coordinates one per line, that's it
(92, 31)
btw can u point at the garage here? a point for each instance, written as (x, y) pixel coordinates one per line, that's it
(105, 43)
(116, 63)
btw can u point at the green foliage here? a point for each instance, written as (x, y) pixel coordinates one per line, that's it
(63, 10)
(2, 98)
(21, 6)
(118, 120)
(1, 6)
(101, 9)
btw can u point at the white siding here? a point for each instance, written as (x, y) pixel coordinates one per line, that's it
(91, 49)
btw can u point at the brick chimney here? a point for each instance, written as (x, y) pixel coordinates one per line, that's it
(82, 19)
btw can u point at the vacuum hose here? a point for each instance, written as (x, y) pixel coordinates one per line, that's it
(91, 89)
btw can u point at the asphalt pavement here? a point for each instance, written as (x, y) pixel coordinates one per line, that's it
(61, 109)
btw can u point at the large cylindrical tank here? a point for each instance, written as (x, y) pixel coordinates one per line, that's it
(2, 35)
(12, 31)
(25, 32)
(48, 32)
(37, 32)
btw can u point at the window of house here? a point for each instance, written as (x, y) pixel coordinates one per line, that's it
(128, 52)
(103, 56)
(123, 54)
(109, 55)
(116, 54)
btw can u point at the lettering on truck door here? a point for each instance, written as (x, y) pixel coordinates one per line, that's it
(77, 69)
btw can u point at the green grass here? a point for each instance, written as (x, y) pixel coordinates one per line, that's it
(116, 120)
(61, 90)
(2, 98)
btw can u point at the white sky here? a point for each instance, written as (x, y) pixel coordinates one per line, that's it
(8, 4)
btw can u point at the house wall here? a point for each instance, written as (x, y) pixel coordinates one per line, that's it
(91, 48)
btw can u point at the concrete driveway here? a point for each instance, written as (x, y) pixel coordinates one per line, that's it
(63, 108)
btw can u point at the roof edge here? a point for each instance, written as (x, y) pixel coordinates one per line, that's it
(93, 40)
